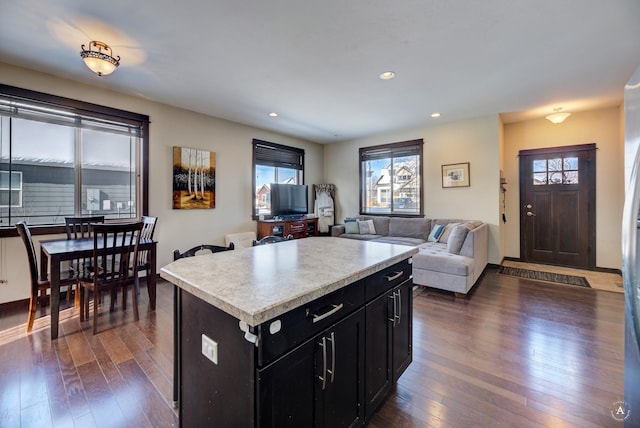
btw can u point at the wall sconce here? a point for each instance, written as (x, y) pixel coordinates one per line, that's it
(557, 117)
(99, 58)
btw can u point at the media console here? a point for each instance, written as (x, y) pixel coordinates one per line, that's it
(299, 228)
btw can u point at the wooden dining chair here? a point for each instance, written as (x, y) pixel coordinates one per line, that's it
(144, 264)
(80, 228)
(272, 239)
(115, 251)
(201, 249)
(38, 286)
(195, 251)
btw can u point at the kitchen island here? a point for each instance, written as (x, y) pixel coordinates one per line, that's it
(309, 332)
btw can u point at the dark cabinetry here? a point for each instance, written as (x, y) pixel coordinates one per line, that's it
(327, 363)
(299, 228)
(388, 350)
(318, 384)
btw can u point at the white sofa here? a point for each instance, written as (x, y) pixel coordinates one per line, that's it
(454, 263)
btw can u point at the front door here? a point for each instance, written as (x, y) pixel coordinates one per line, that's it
(557, 206)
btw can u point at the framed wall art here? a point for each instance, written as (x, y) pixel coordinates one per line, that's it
(455, 175)
(194, 178)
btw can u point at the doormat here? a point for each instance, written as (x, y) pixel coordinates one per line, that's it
(545, 276)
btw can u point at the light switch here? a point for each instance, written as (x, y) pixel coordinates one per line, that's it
(210, 348)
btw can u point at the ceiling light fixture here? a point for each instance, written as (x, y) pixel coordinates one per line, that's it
(435, 115)
(273, 114)
(557, 117)
(387, 75)
(99, 58)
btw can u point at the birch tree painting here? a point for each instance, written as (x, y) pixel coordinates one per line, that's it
(194, 178)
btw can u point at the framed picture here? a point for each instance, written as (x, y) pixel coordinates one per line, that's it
(455, 175)
(194, 178)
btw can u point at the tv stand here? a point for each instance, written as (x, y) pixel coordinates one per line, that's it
(288, 217)
(299, 228)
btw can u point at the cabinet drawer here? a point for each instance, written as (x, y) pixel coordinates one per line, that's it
(297, 227)
(294, 327)
(386, 279)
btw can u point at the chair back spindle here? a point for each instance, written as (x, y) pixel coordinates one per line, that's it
(272, 239)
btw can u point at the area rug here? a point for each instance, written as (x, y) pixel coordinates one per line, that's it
(545, 276)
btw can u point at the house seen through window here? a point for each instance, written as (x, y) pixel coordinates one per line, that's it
(61, 158)
(391, 179)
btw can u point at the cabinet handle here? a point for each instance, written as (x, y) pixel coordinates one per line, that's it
(394, 276)
(333, 356)
(323, 378)
(392, 296)
(332, 311)
(399, 313)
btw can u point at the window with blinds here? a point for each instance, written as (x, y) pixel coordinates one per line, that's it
(391, 179)
(273, 163)
(62, 157)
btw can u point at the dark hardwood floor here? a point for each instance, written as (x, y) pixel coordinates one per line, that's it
(517, 353)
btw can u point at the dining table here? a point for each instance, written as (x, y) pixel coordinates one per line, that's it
(53, 252)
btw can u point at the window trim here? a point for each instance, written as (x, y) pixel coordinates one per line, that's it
(394, 150)
(263, 157)
(90, 110)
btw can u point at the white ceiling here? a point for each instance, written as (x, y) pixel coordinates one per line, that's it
(316, 63)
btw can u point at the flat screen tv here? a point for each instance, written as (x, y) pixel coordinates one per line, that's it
(288, 199)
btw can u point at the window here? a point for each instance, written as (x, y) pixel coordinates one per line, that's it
(563, 170)
(391, 179)
(60, 157)
(10, 188)
(273, 163)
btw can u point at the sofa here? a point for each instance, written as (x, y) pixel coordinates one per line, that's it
(452, 252)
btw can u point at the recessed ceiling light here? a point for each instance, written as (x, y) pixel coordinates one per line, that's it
(387, 75)
(436, 114)
(273, 114)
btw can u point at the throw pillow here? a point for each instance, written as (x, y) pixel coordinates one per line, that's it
(448, 228)
(351, 227)
(435, 233)
(367, 227)
(456, 239)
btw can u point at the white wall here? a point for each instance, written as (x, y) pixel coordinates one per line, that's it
(478, 141)
(169, 127)
(602, 127)
(474, 141)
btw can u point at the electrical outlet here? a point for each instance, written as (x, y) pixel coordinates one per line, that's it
(210, 349)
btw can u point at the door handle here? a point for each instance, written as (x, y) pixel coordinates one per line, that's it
(332, 372)
(398, 315)
(323, 378)
(530, 214)
(392, 296)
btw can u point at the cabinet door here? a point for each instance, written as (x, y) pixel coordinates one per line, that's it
(402, 329)
(378, 380)
(320, 383)
(342, 401)
(286, 389)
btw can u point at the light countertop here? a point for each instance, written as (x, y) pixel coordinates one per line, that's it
(260, 283)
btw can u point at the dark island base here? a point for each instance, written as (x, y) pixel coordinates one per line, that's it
(328, 363)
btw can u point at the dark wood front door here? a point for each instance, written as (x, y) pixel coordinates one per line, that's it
(557, 206)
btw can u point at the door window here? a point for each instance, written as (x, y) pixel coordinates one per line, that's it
(562, 170)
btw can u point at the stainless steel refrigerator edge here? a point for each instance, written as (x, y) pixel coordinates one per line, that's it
(630, 406)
